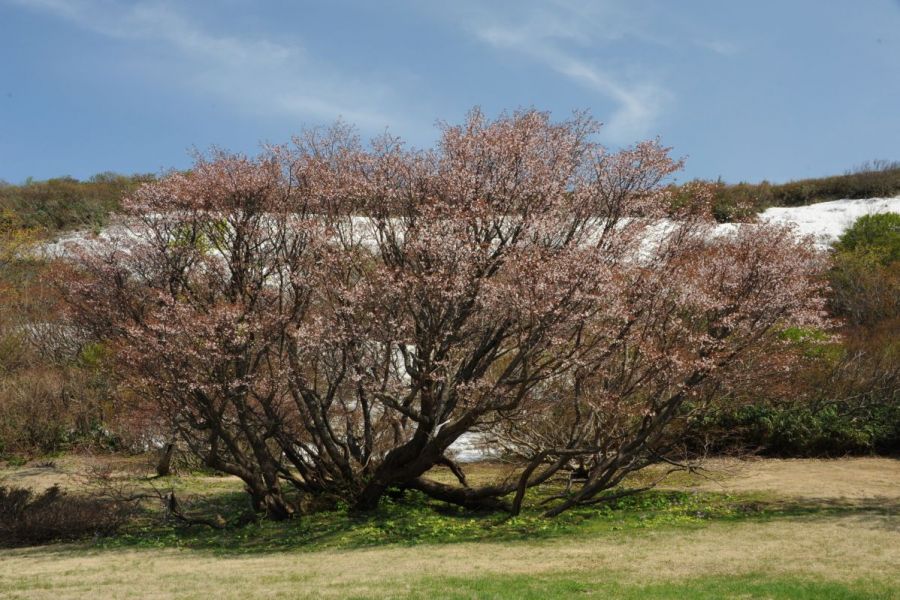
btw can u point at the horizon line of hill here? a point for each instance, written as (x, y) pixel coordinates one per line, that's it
(64, 203)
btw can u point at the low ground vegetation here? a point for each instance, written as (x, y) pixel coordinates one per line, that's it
(28, 517)
(755, 529)
(725, 490)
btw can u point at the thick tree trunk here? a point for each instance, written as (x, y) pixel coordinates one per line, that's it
(278, 508)
(272, 503)
(401, 465)
(368, 499)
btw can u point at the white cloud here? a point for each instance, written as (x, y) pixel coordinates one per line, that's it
(565, 36)
(638, 104)
(254, 74)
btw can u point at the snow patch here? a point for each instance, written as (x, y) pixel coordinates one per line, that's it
(826, 221)
(471, 447)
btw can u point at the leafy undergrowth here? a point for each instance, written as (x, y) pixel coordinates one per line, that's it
(414, 519)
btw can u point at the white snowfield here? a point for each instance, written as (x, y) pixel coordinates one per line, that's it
(826, 221)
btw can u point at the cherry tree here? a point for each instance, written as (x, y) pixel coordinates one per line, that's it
(330, 317)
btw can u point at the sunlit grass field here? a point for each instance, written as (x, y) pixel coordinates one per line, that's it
(760, 529)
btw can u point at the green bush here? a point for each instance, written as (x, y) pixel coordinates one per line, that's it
(65, 202)
(27, 517)
(865, 279)
(804, 431)
(877, 235)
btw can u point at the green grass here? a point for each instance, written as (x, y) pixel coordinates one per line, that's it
(757, 585)
(415, 519)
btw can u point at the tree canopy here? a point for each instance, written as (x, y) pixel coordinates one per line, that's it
(327, 319)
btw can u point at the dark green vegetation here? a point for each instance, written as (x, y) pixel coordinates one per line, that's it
(801, 430)
(735, 202)
(877, 236)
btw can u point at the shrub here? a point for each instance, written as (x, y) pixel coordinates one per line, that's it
(878, 235)
(55, 388)
(866, 276)
(48, 408)
(27, 517)
(804, 430)
(65, 202)
(864, 291)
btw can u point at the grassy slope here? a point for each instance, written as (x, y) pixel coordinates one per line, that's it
(725, 535)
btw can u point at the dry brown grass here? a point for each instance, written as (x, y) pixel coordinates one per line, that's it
(840, 479)
(71, 472)
(831, 549)
(846, 479)
(843, 478)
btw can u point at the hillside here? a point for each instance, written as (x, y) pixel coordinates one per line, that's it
(879, 179)
(65, 203)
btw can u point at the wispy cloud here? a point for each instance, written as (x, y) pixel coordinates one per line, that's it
(720, 47)
(638, 105)
(568, 37)
(258, 75)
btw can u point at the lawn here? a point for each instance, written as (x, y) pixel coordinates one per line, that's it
(760, 529)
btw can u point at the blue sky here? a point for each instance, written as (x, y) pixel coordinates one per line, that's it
(745, 90)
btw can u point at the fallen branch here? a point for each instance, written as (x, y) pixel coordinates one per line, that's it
(173, 509)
